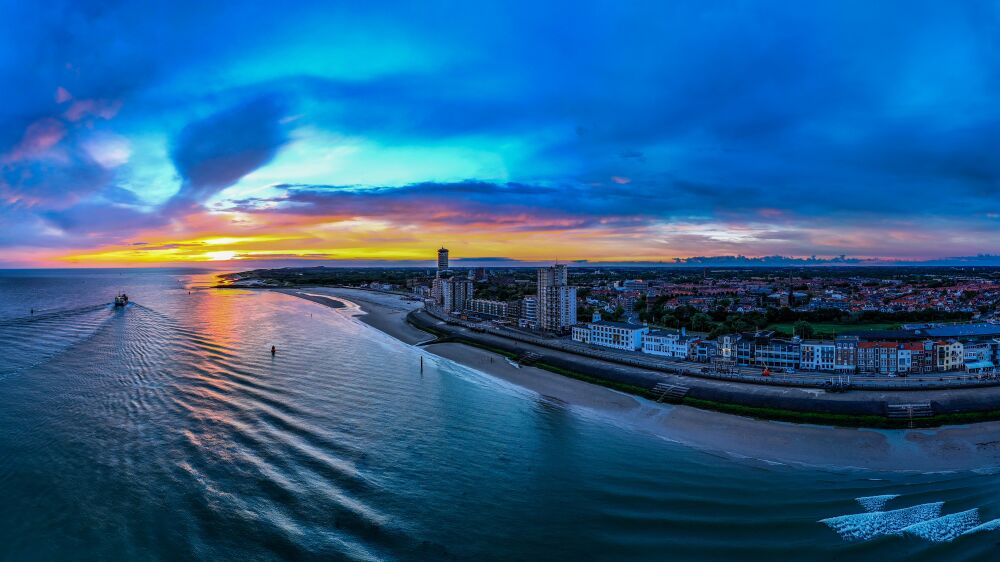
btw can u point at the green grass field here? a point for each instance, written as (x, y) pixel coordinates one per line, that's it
(830, 329)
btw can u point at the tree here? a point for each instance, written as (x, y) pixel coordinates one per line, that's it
(803, 329)
(701, 322)
(669, 320)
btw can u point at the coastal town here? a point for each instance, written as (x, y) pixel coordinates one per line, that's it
(892, 323)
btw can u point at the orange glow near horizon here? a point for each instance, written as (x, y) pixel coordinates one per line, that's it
(216, 238)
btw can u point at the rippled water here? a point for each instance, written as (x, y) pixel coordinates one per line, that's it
(167, 431)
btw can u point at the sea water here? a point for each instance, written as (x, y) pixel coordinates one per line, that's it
(166, 431)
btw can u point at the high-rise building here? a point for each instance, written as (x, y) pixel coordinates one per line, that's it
(556, 299)
(442, 258)
(456, 293)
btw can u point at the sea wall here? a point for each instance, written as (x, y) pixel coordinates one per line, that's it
(945, 403)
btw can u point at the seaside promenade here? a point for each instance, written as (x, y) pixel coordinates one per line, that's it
(886, 403)
(868, 401)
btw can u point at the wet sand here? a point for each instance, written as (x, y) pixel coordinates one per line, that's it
(975, 446)
(382, 311)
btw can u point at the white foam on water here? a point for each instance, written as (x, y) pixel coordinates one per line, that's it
(875, 503)
(988, 526)
(865, 526)
(946, 528)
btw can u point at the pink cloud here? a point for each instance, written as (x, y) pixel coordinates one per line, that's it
(621, 180)
(100, 108)
(63, 95)
(38, 137)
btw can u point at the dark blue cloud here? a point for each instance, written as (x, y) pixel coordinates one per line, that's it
(215, 152)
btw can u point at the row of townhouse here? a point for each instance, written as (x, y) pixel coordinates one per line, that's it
(846, 354)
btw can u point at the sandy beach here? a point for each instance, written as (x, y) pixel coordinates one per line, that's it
(969, 447)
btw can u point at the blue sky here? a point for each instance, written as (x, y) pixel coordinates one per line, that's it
(599, 130)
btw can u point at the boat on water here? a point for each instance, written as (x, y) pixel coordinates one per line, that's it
(121, 299)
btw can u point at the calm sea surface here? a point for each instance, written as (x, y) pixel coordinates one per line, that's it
(166, 431)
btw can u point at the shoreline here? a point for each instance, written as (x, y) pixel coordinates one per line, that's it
(951, 448)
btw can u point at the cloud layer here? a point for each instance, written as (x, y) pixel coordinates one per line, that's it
(601, 131)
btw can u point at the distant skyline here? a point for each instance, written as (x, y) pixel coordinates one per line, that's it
(304, 132)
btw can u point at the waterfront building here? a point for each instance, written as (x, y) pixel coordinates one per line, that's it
(948, 355)
(556, 299)
(818, 355)
(918, 355)
(706, 351)
(744, 349)
(904, 359)
(456, 293)
(979, 352)
(727, 346)
(845, 358)
(669, 343)
(778, 353)
(880, 357)
(616, 335)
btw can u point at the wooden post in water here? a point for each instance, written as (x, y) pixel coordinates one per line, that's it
(421, 363)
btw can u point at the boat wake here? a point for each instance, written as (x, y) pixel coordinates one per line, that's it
(875, 503)
(923, 521)
(33, 340)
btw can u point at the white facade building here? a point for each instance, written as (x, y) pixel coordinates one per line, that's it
(677, 345)
(616, 335)
(818, 355)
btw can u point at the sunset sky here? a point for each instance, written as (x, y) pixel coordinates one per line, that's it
(195, 132)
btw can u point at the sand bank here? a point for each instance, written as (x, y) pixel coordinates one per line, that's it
(382, 311)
